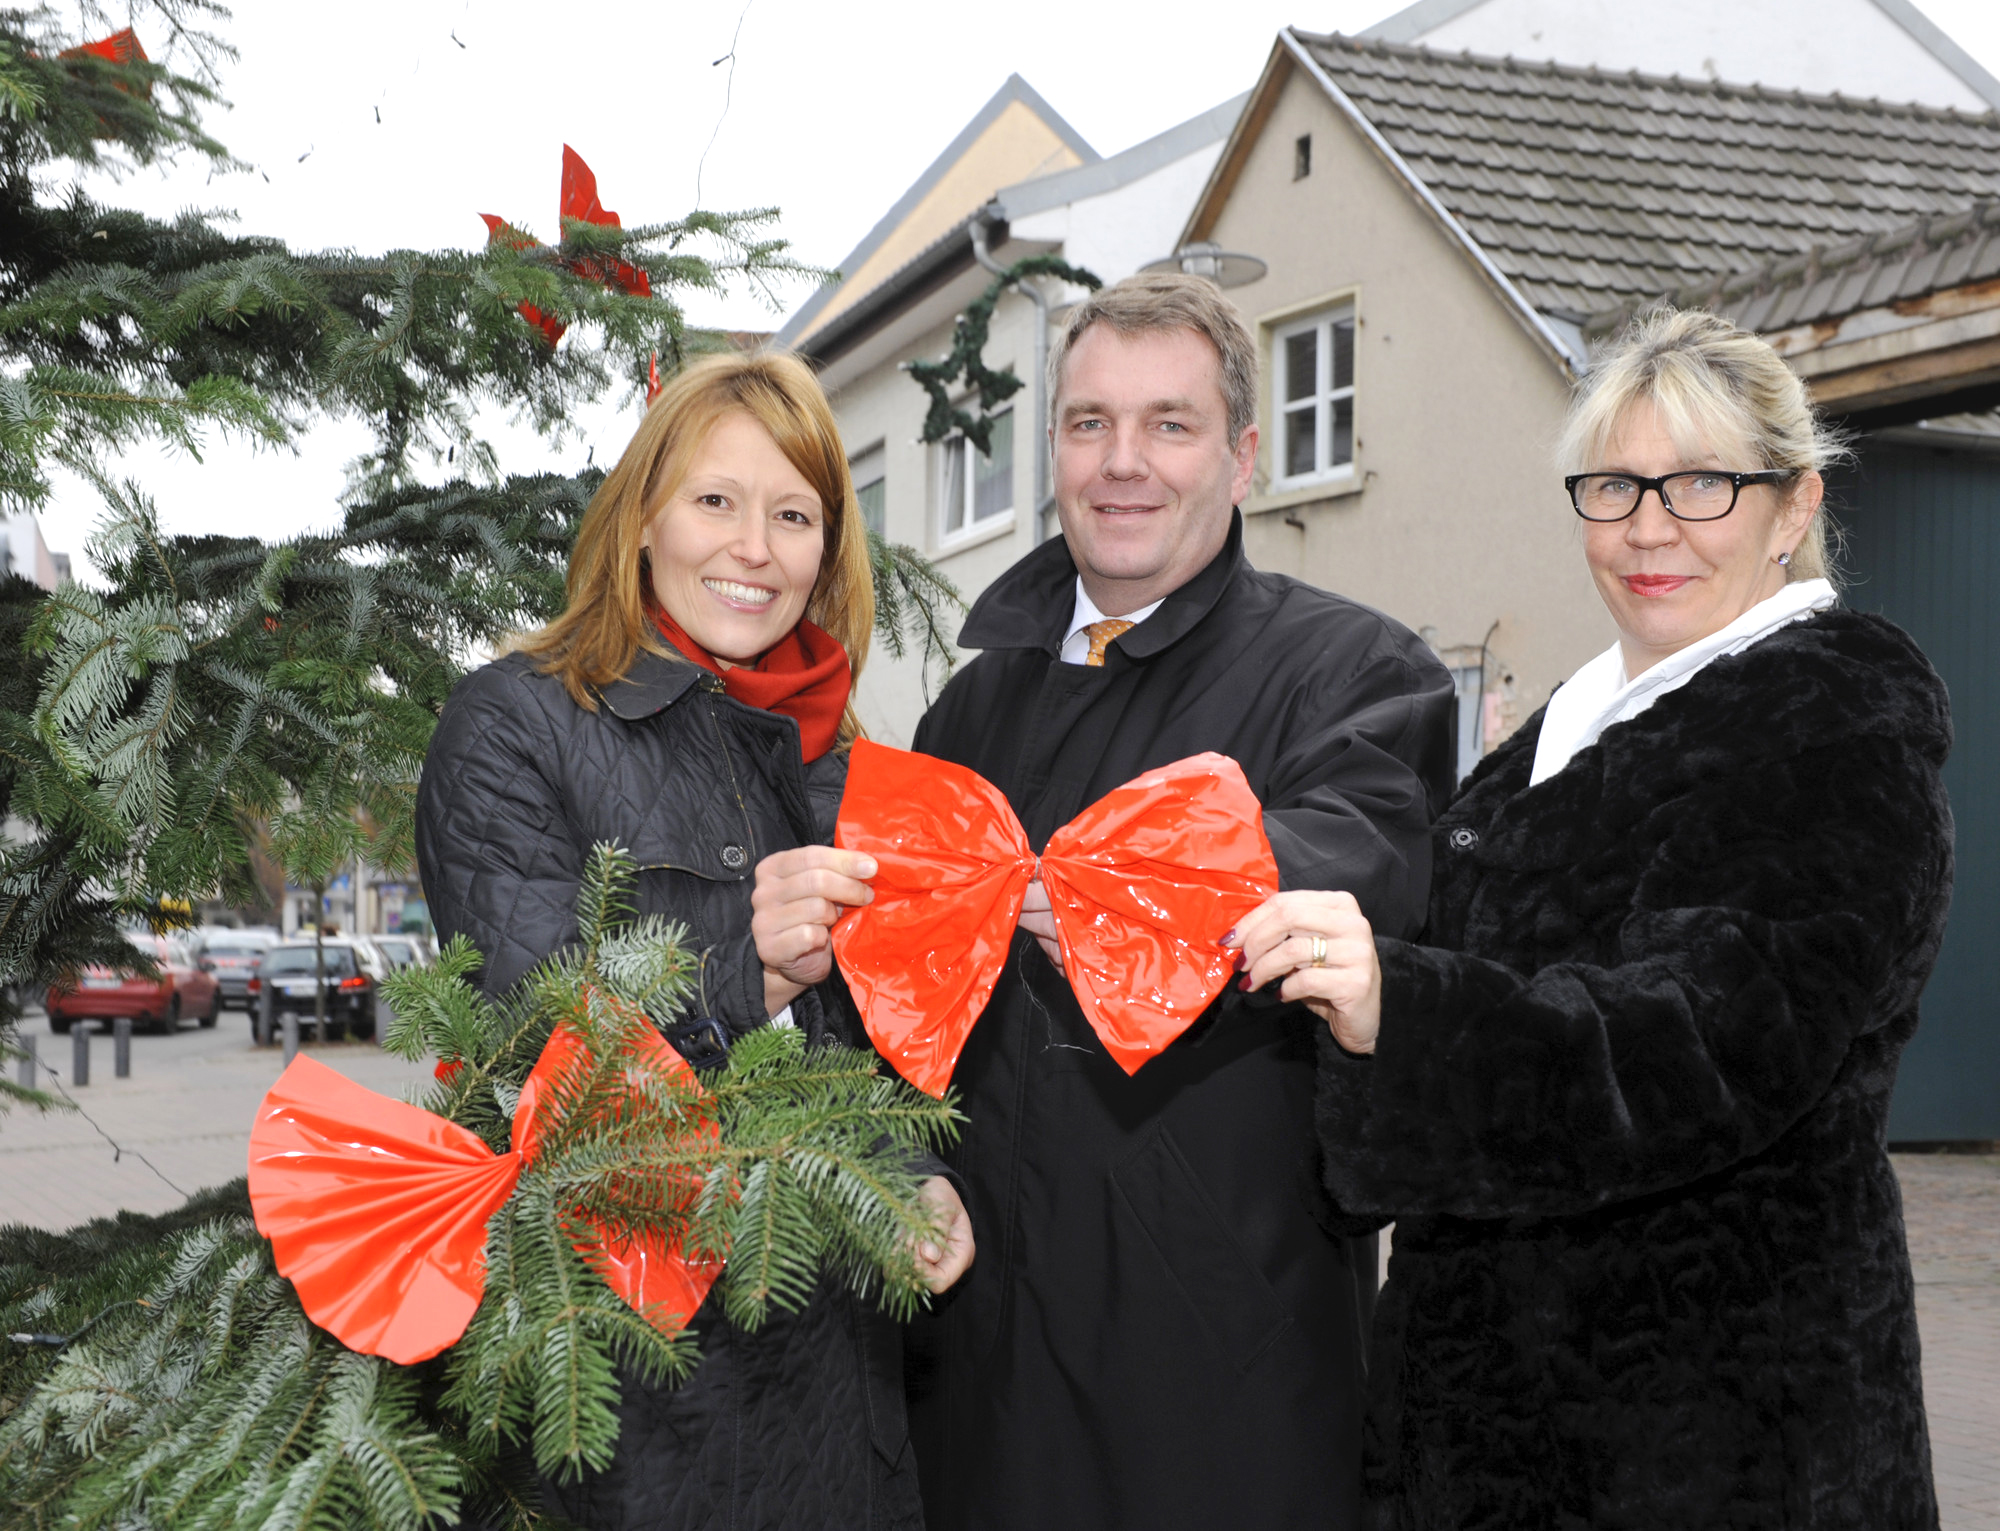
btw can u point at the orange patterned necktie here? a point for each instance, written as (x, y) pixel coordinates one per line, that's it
(1101, 634)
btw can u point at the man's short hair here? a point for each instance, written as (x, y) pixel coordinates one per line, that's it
(1169, 300)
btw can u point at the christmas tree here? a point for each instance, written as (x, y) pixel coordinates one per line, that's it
(222, 698)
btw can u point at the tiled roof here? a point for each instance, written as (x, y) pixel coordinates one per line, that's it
(1829, 282)
(1592, 189)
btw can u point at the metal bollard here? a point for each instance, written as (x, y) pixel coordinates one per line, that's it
(31, 1066)
(121, 1047)
(79, 1052)
(291, 1024)
(265, 1019)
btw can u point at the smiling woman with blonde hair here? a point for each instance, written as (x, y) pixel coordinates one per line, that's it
(1626, 1102)
(691, 703)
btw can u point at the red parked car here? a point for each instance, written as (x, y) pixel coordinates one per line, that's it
(181, 991)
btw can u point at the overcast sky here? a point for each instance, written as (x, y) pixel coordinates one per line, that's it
(832, 110)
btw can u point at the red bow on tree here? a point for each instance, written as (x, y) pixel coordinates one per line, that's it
(377, 1211)
(580, 204)
(1144, 884)
(121, 47)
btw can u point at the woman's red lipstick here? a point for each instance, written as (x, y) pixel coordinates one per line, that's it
(1654, 584)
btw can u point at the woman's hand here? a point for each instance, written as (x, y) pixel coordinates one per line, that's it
(798, 896)
(1343, 986)
(1038, 919)
(944, 1259)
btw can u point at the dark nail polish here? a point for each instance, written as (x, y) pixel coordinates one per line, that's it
(1243, 983)
(1230, 936)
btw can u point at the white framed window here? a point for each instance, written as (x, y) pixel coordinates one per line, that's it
(1313, 397)
(871, 487)
(975, 488)
(1468, 716)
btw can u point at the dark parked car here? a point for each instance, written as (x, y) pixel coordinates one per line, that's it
(232, 956)
(181, 991)
(288, 967)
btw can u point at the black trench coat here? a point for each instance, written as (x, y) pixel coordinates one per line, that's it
(801, 1425)
(1165, 1323)
(1628, 1108)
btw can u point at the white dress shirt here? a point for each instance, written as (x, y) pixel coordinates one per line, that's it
(1076, 642)
(1599, 694)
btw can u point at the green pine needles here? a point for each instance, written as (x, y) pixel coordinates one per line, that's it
(202, 1396)
(967, 357)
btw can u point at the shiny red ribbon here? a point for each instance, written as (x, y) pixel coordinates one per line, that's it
(1144, 884)
(377, 1210)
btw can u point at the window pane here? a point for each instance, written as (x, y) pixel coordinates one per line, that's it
(1343, 433)
(299, 959)
(1343, 354)
(871, 487)
(874, 502)
(1300, 442)
(951, 484)
(993, 476)
(1301, 365)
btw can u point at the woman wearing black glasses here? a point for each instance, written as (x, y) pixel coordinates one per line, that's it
(1627, 1102)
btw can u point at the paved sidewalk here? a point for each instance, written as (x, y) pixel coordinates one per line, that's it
(187, 1108)
(1951, 1203)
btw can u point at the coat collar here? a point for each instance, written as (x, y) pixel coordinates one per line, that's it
(653, 684)
(1029, 606)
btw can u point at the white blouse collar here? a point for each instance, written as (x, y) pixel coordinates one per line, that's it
(1599, 695)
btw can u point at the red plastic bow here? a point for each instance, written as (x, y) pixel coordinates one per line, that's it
(580, 204)
(377, 1211)
(1144, 883)
(121, 47)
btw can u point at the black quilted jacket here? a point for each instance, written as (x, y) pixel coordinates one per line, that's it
(800, 1425)
(1628, 1110)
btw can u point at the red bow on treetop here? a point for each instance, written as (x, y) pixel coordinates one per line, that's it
(121, 47)
(580, 204)
(1144, 884)
(377, 1211)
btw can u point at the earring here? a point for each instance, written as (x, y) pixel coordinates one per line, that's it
(1783, 559)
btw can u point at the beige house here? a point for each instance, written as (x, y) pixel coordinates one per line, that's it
(1441, 232)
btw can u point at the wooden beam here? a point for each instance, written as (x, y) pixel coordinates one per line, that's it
(1903, 379)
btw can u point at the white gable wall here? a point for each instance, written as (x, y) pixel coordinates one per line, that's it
(1850, 46)
(1115, 232)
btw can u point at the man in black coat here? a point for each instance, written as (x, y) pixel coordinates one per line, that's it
(1166, 1323)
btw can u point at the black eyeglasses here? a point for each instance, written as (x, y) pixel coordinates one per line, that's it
(1706, 494)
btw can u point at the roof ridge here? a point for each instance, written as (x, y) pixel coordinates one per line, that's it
(1754, 88)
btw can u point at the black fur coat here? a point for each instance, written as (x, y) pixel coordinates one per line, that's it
(1628, 1111)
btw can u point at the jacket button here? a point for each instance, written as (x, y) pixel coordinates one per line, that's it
(733, 857)
(1462, 839)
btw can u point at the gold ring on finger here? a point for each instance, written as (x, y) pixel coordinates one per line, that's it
(1319, 951)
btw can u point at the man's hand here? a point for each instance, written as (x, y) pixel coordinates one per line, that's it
(1038, 919)
(798, 897)
(1282, 936)
(944, 1259)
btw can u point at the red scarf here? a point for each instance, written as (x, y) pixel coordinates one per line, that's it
(804, 675)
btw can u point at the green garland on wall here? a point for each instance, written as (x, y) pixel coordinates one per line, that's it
(965, 358)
